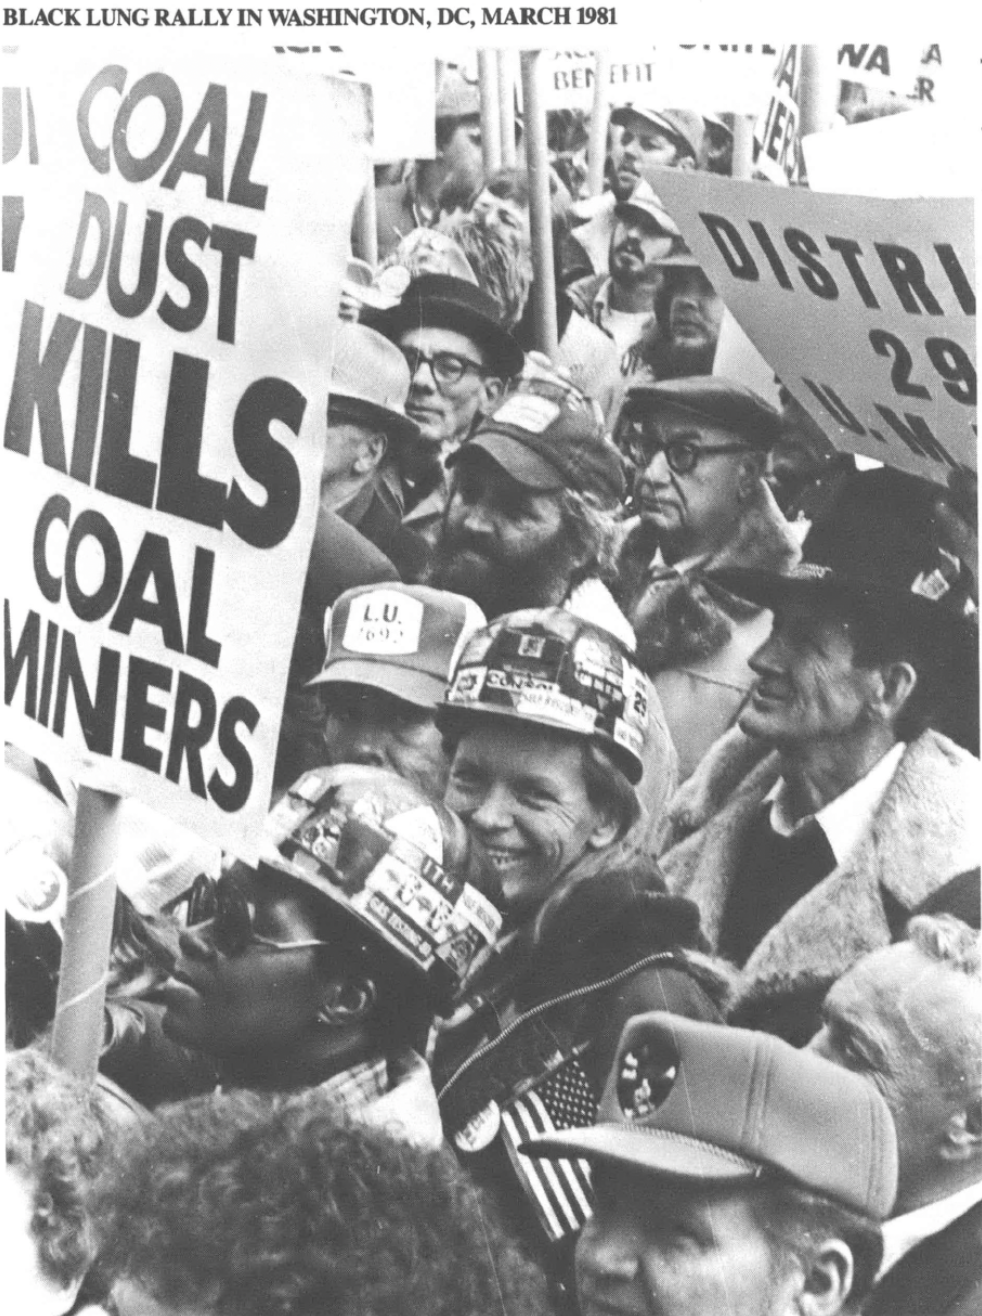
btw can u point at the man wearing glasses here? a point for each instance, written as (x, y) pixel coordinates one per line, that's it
(459, 357)
(699, 448)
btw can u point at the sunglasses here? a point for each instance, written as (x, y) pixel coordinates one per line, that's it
(232, 916)
(682, 455)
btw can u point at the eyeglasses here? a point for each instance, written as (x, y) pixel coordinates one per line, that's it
(224, 903)
(447, 367)
(682, 455)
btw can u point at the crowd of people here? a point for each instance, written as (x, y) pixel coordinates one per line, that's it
(614, 947)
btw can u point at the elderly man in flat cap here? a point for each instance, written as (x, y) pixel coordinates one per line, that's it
(731, 1174)
(699, 446)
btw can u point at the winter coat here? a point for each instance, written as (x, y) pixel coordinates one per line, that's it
(549, 1008)
(925, 830)
(940, 1277)
(694, 638)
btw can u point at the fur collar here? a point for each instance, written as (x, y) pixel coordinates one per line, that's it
(925, 829)
(685, 618)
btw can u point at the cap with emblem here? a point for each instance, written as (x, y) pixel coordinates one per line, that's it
(711, 399)
(403, 639)
(878, 548)
(550, 667)
(549, 443)
(397, 864)
(708, 1102)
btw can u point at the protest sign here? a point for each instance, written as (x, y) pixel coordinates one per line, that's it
(864, 309)
(930, 153)
(777, 130)
(735, 77)
(916, 70)
(166, 341)
(403, 95)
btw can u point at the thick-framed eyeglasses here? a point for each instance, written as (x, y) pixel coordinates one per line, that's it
(682, 455)
(447, 367)
(226, 906)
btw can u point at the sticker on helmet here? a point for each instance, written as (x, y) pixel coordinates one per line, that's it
(558, 707)
(383, 623)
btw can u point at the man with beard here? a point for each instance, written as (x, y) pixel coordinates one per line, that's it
(647, 142)
(622, 302)
(699, 446)
(528, 522)
(459, 355)
(682, 338)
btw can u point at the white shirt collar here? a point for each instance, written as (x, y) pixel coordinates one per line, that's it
(904, 1232)
(846, 818)
(682, 567)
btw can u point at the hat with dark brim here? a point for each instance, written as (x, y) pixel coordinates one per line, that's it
(442, 301)
(877, 549)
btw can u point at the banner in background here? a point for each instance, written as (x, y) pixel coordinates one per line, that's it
(777, 131)
(403, 95)
(168, 311)
(710, 78)
(864, 309)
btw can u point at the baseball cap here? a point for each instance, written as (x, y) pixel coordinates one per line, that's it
(550, 667)
(398, 866)
(712, 1103)
(710, 398)
(685, 125)
(403, 639)
(643, 201)
(549, 441)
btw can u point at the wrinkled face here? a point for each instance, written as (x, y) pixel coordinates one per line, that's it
(521, 791)
(695, 311)
(501, 544)
(639, 151)
(372, 727)
(462, 152)
(698, 511)
(504, 214)
(130, 1298)
(656, 1247)
(809, 688)
(444, 412)
(898, 1018)
(259, 998)
(636, 247)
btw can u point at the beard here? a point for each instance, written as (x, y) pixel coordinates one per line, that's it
(465, 565)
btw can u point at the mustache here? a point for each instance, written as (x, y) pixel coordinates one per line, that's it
(631, 248)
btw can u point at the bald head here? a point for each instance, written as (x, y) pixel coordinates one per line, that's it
(908, 1016)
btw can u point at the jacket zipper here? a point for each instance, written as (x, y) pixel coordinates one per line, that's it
(482, 1051)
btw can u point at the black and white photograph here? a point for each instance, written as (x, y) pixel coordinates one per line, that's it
(492, 806)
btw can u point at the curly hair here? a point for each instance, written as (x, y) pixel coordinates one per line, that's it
(56, 1142)
(499, 266)
(265, 1206)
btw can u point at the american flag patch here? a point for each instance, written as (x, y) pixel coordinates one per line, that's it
(558, 1189)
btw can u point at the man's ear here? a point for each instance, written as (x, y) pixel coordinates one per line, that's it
(371, 453)
(962, 1138)
(348, 1000)
(687, 164)
(896, 685)
(752, 468)
(605, 831)
(828, 1282)
(493, 387)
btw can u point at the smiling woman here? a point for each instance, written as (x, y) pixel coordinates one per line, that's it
(557, 743)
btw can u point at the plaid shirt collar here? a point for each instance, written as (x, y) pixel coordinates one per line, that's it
(359, 1086)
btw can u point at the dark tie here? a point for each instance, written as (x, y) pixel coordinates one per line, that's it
(773, 873)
